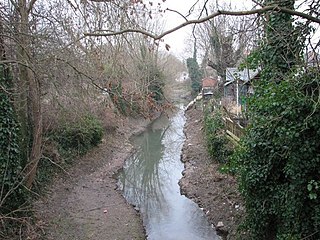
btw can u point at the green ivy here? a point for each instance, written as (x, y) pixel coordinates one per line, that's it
(279, 160)
(155, 78)
(216, 140)
(313, 188)
(116, 93)
(152, 74)
(12, 193)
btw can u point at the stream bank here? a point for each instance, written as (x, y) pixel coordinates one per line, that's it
(216, 193)
(83, 203)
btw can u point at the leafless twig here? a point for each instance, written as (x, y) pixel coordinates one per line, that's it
(201, 20)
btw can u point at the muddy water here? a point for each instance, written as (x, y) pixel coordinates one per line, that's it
(150, 182)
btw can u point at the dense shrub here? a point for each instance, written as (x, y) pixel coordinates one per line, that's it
(79, 136)
(216, 140)
(156, 82)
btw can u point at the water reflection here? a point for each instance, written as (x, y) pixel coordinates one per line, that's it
(150, 181)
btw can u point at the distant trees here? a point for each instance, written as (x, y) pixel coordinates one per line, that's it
(58, 56)
(224, 41)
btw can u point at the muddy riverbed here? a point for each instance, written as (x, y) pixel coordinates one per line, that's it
(85, 204)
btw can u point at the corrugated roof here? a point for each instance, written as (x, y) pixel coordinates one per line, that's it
(245, 75)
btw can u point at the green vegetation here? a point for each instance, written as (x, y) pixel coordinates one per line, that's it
(117, 96)
(68, 141)
(156, 79)
(11, 164)
(195, 74)
(152, 75)
(76, 138)
(279, 157)
(12, 192)
(217, 143)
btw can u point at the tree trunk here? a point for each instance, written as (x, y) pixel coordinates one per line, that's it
(32, 114)
(36, 119)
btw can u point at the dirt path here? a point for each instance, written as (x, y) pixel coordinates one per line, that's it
(84, 204)
(216, 193)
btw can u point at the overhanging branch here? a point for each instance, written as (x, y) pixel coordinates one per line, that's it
(204, 19)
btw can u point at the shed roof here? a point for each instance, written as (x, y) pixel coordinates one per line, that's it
(209, 82)
(245, 75)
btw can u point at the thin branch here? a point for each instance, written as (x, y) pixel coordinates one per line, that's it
(14, 4)
(30, 5)
(81, 73)
(204, 9)
(56, 164)
(175, 11)
(204, 19)
(258, 3)
(17, 62)
(192, 8)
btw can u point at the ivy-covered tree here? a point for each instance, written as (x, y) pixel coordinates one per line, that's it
(279, 158)
(195, 73)
(11, 194)
(11, 164)
(152, 74)
(280, 46)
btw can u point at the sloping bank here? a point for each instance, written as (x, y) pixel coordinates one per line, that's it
(84, 203)
(202, 182)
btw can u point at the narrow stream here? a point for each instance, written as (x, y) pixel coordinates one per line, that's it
(150, 182)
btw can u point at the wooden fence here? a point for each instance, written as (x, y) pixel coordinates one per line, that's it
(233, 130)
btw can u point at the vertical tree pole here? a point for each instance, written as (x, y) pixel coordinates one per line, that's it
(29, 80)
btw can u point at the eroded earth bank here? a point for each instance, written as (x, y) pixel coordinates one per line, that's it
(213, 191)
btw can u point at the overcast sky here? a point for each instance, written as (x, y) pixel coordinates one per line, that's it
(177, 40)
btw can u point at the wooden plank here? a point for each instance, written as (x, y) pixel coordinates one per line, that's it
(232, 140)
(233, 136)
